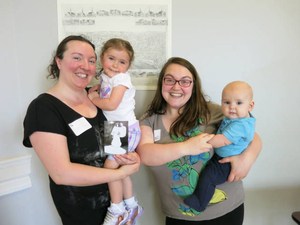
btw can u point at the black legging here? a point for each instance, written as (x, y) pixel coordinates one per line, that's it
(235, 217)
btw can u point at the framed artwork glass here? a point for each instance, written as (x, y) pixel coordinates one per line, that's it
(145, 24)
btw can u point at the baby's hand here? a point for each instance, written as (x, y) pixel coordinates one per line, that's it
(93, 95)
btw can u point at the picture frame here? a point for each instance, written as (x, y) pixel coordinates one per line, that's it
(146, 25)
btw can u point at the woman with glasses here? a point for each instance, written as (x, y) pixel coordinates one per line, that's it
(175, 131)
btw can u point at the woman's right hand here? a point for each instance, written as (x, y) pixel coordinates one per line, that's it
(156, 154)
(197, 145)
(130, 169)
(126, 159)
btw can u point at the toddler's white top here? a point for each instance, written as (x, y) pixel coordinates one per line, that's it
(125, 111)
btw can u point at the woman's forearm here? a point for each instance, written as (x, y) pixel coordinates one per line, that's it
(241, 164)
(53, 151)
(158, 154)
(153, 154)
(254, 149)
(84, 175)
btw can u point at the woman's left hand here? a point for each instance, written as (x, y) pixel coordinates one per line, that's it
(240, 167)
(125, 159)
(241, 164)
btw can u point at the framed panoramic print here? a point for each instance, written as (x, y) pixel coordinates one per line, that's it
(145, 24)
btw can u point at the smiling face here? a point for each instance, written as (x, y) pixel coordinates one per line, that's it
(115, 61)
(77, 67)
(177, 96)
(237, 100)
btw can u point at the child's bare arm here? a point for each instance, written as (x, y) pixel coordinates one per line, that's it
(111, 103)
(219, 140)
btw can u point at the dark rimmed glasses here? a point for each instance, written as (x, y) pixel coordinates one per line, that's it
(171, 82)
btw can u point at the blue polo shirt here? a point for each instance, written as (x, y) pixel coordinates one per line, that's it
(239, 131)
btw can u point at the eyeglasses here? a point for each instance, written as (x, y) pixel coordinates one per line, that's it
(171, 82)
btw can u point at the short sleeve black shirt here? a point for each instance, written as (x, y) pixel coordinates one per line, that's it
(76, 205)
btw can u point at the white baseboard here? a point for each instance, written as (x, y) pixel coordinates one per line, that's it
(14, 174)
(8, 187)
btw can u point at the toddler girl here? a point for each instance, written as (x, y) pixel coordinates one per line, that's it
(116, 99)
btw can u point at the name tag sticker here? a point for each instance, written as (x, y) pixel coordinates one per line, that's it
(79, 126)
(157, 135)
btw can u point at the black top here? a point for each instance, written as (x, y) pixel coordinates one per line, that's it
(75, 205)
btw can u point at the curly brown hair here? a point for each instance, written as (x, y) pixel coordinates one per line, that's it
(59, 53)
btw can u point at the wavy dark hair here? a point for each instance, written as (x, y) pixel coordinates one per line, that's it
(59, 53)
(193, 113)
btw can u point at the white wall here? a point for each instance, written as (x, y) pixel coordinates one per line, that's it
(255, 41)
(28, 38)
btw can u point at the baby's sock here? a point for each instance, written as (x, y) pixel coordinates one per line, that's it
(131, 202)
(117, 208)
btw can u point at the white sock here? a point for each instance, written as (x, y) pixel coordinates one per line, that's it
(117, 208)
(131, 202)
